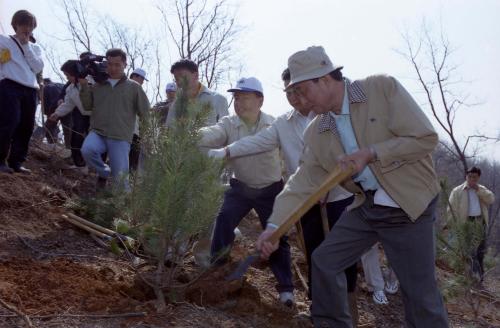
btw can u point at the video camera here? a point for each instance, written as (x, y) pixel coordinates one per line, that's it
(93, 65)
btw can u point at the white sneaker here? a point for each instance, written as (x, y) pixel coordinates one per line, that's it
(380, 298)
(237, 234)
(391, 288)
(287, 298)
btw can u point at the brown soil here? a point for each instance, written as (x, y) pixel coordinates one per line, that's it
(49, 268)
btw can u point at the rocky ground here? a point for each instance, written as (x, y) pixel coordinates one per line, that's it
(58, 276)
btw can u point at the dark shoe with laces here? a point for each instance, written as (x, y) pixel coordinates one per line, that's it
(5, 169)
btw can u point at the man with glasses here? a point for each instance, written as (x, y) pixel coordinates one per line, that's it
(375, 126)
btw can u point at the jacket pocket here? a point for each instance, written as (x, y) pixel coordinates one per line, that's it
(394, 165)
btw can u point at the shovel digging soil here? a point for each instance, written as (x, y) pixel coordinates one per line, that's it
(335, 177)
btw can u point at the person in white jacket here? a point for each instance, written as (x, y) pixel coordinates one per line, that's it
(20, 62)
(72, 105)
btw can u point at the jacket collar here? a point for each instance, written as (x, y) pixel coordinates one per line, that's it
(121, 80)
(263, 120)
(355, 93)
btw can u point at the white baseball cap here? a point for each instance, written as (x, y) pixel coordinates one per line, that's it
(171, 87)
(248, 84)
(140, 72)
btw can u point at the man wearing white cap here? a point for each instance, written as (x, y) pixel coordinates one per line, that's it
(138, 75)
(163, 107)
(287, 134)
(256, 179)
(376, 126)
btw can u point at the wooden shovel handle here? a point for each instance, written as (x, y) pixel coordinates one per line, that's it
(333, 179)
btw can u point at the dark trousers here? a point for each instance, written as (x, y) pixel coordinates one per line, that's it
(312, 228)
(409, 247)
(52, 130)
(239, 199)
(17, 119)
(477, 257)
(79, 132)
(135, 150)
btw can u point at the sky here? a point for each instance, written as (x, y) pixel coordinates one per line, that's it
(361, 35)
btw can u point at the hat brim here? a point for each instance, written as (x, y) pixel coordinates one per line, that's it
(312, 75)
(244, 90)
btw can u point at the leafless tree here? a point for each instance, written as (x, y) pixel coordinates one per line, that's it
(431, 59)
(132, 41)
(203, 31)
(78, 21)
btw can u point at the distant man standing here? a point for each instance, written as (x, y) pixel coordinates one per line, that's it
(20, 62)
(52, 97)
(139, 76)
(375, 126)
(469, 202)
(162, 108)
(115, 103)
(256, 180)
(187, 70)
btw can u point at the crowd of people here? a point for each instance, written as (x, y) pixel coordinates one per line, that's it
(371, 124)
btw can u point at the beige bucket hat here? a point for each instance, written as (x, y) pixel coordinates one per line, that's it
(309, 64)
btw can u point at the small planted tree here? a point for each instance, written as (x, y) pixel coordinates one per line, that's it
(178, 193)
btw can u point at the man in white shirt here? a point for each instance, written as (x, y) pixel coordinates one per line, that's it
(20, 62)
(256, 180)
(469, 202)
(287, 133)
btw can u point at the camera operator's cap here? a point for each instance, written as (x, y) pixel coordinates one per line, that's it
(309, 64)
(171, 87)
(140, 72)
(248, 84)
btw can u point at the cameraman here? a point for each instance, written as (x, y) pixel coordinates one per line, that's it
(114, 104)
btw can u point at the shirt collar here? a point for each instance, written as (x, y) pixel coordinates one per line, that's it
(263, 120)
(355, 94)
(293, 113)
(203, 89)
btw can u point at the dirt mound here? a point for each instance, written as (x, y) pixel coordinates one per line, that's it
(242, 298)
(46, 287)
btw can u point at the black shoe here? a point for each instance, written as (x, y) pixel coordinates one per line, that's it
(21, 169)
(101, 184)
(5, 169)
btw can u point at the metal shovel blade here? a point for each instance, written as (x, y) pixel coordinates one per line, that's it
(243, 267)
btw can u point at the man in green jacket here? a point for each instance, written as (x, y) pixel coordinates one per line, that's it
(115, 103)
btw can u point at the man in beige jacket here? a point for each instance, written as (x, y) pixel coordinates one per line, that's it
(376, 126)
(469, 202)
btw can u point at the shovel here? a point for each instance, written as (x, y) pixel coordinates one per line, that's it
(333, 179)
